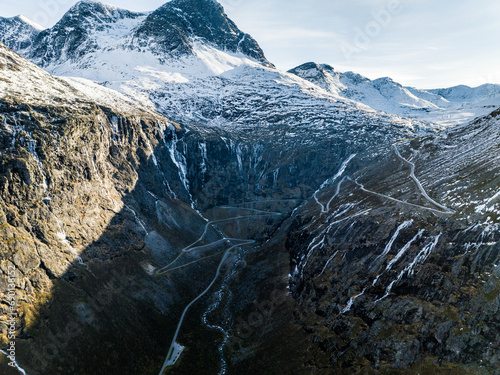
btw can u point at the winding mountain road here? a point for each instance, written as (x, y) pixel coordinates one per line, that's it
(176, 349)
(419, 184)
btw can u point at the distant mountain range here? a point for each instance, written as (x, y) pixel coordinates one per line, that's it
(114, 46)
(449, 106)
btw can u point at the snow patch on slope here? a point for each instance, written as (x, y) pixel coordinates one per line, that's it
(31, 23)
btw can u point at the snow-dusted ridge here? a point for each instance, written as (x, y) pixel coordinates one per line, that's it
(24, 82)
(443, 106)
(30, 22)
(19, 33)
(211, 75)
(190, 44)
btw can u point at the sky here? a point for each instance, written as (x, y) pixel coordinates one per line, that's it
(421, 43)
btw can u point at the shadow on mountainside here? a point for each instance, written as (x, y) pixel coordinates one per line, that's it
(106, 311)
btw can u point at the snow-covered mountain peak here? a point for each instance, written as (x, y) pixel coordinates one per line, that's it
(327, 67)
(88, 26)
(138, 53)
(386, 81)
(312, 70)
(18, 32)
(322, 75)
(356, 77)
(170, 29)
(83, 3)
(88, 15)
(22, 20)
(463, 92)
(102, 42)
(442, 106)
(95, 6)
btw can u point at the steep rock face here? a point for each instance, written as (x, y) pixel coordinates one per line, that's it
(173, 25)
(91, 26)
(70, 212)
(74, 35)
(401, 273)
(262, 139)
